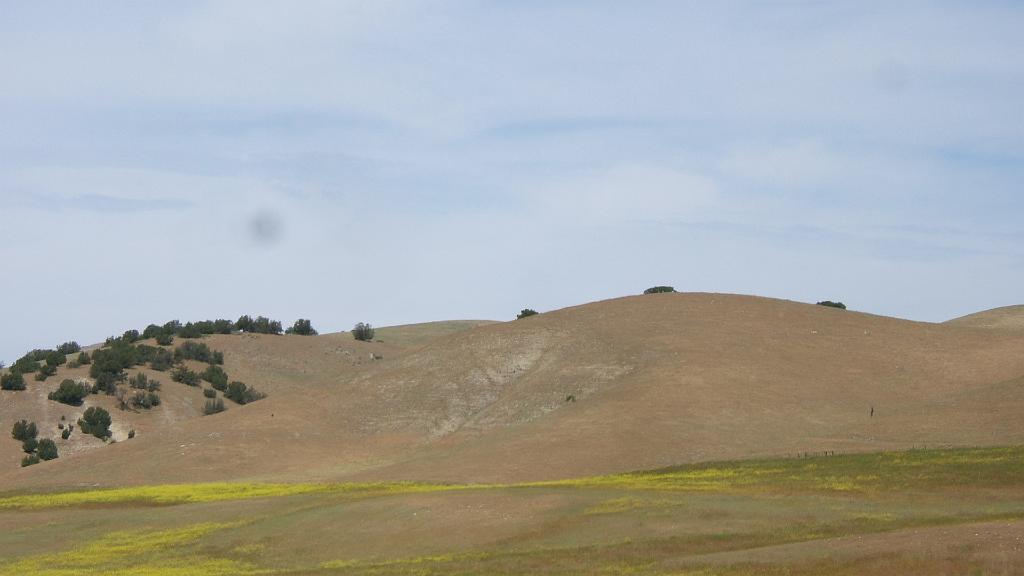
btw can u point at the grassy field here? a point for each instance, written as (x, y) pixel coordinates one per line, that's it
(922, 511)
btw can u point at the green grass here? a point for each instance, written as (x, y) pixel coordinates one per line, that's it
(656, 522)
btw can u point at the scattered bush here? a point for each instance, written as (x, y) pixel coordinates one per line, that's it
(69, 348)
(70, 392)
(832, 304)
(131, 336)
(216, 376)
(659, 290)
(45, 371)
(29, 460)
(131, 433)
(302, 327)
(107, 382)
(239, 393)
(29, 445)
(23, 430)
(96, 421)
(47, 449)
(144, 400)
(213, 406)
(525, 313)
(363, 332)
(83, 358)
(66, 433)
(164, 339)
(12, 381)
(141, 382)
(185, 376)
(209, 392)
(162, 360)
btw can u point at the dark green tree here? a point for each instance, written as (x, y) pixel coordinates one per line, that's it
(302, 327)
(69, 348)
(47, 449)
(96, 421)
(216, 376)
(831, 304)
(363, 332)
(70, 392)
(659, 290)
(12, 381)
(526, 313)
(23, 430)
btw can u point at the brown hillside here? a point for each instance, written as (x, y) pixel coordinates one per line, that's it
(1006, 318)
(624, 384)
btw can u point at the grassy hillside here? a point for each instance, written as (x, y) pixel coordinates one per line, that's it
(632, 383)
(1006, 318)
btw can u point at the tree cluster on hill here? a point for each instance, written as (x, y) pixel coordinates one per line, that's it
(302, 327)
(199, 352)
(261, 325)
(526, 313)
(69, 348)
(659, 290)
(27, 433)
(831, 304)
(363, 332)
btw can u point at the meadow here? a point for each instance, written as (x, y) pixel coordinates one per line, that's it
(937, 511)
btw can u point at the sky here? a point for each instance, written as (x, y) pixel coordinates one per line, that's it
(399, 162)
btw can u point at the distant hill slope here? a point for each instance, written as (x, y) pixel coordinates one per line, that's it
(625, 384)
(1006, 318)
(411, 335)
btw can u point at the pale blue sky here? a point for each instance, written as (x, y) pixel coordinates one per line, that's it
(466, 159)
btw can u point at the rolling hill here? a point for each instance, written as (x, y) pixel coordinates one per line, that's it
(1005, 318)
(631, 383)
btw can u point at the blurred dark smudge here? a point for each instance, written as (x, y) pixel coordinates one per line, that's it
(266, 228)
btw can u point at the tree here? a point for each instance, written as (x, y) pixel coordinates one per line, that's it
(83, 358)
(185, 376)
(525, 313)
(96, 421)
(239, 393)
(363, 332)
(55, 358)
(29, 445)
(29, 460)
(12, 381)
(832, 304)
(659, 290)
(23, 430)
(216, 376)
(190, 330)
(69, 348)
(164, 339)
(47, 449)
(70, 392)
(302, 327)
